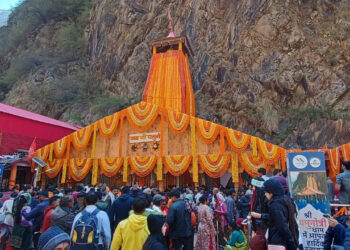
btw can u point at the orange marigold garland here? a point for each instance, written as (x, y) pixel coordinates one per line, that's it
(64, 171)
(159, 169)
(283, 159)
(81, 138)
(237, 140)
(108, 125)
(142, 115)
(270, 152)
(94, 175)
(334, 162)
(194, 150)
(43, 153)
(253, 146)
(79, 168)
(208, 131)
(251, 164)
(214, 165)
(222, 141)
(177, 164)
(53, 167)
(234, 168)
(121, 132)
(125, 169)
(142, 166)
(345, 151)
(178, 122)
(60, 146)
(110, 166)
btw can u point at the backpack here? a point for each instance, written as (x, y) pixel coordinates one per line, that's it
(86, 233)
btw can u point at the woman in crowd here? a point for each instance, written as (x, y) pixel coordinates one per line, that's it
(206, 230)
(237, 239)
(220, 213)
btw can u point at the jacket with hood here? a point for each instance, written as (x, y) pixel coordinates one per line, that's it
(131, 233)
(120, 209)
(335, 235)
(155, 240)
(47, 218)
(179, 220)
(63, 218)
(279, 232)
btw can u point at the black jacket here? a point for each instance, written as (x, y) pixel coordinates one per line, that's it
(336, 235)
(279, 232)
(179, 220)
(62, 218)
(120, 210)
(155, 240)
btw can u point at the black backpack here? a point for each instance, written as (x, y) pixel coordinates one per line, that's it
(86, 233)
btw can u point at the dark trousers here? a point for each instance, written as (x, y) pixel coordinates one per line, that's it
(36, 236)
(186, 242)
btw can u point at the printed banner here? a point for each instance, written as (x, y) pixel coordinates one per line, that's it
(308, 186)
(144, 137)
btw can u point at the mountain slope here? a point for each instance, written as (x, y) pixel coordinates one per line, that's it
(276, 69)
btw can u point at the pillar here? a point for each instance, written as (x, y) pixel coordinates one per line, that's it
(13, 175)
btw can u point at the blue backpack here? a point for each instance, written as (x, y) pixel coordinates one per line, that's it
(86, 233)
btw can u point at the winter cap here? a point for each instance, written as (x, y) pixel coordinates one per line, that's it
(147, 191)
(249, 192)
(125, 190)
(158, 198)
(52, 238)
(189, 197)
(44, 193)
(273, 186)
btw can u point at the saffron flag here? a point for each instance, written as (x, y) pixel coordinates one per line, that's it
(31, 151)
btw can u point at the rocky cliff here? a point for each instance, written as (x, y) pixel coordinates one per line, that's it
(276, 69)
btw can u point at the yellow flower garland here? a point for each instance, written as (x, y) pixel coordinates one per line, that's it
(94, 175)
(64, 171)
(79, 168)
(53, 167)
(345, 150)
(142, 166)
(43, 152)
(194, 150)
(81, 138)
(178, 122)
(270, 152)
(208, 131)
(125, 169)
(110, 166)
(214, 165)
(177, 164)
(334, 162)
(234, 168)
(59, 147)
(251, 164)
(108, 125)
(142, 115)
(237, 140)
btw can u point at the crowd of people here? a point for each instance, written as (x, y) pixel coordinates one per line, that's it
(255, 217)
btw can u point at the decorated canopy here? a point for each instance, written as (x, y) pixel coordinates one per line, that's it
(161, 136)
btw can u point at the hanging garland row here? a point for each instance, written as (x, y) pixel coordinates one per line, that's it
(142, 115)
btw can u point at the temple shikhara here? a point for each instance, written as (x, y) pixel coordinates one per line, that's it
(160, 141)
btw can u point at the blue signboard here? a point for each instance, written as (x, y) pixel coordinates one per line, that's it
(308, 186)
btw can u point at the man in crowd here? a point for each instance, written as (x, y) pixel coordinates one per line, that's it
(103, 225)
(262, 173)
(63, 215)
(132, 232)
(343, 184)
(179, 221)
(277, 172)
(120, 207)
(230, 204)
(37, 215)
(53, 203)
(244, 204)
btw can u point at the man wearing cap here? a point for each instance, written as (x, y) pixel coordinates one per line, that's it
(54, 238)
(157, 201)
(179, 221)
(120, 208)
(37, 215)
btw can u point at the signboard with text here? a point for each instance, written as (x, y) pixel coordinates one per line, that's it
(308, 186)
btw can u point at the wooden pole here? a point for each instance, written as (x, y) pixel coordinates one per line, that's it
(13, 175)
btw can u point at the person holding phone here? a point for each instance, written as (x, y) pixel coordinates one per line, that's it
(335, 234)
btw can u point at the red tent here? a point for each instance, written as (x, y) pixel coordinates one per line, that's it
(19, 127)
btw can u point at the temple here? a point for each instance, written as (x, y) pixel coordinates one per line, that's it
(160, 141)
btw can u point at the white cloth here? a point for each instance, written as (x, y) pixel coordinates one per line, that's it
(265, 177)
(103, 224)
(156, 209)
(7, 210)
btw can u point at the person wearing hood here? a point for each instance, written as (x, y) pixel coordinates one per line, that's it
(155, 240)
(54, 201)
(63, 215)
(120, 207)
(279, 216)
(132, 232)
(179, 221)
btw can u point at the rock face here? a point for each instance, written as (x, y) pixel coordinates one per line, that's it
(276, 69)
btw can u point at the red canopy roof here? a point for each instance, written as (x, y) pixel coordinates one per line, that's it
(19, 127)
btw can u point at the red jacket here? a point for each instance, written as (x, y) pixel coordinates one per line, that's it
(47, 218)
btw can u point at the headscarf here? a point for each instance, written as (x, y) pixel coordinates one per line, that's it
(220, 197)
